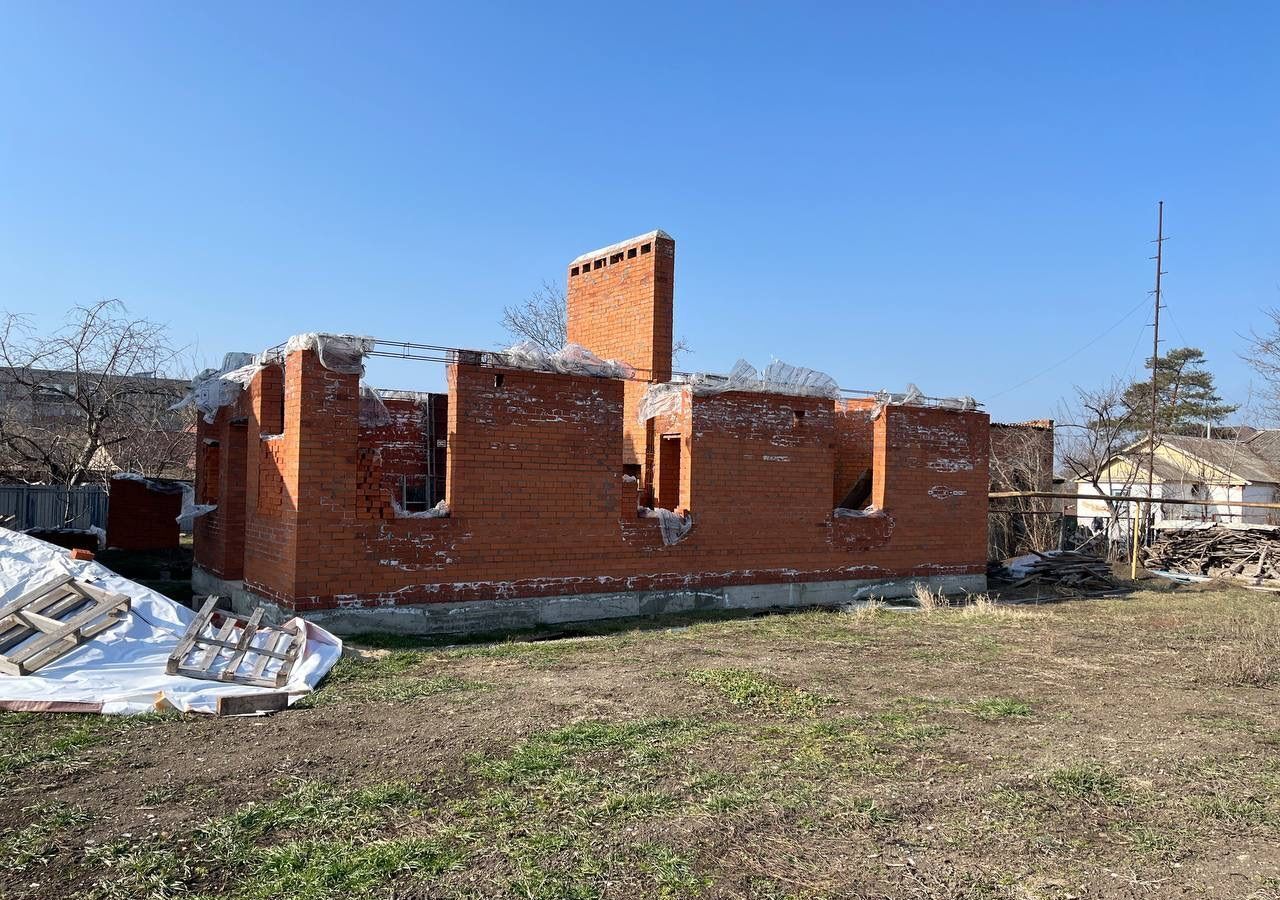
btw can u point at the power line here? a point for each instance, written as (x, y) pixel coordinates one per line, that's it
(1141, 303)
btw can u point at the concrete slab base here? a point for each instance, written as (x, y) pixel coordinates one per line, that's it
(532, 612)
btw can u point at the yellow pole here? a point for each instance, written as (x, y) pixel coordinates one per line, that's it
(1133, 562)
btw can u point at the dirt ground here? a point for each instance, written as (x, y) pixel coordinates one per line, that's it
(1112, 748)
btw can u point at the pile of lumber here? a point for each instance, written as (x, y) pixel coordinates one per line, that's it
(1059, 568)
(1249, 552)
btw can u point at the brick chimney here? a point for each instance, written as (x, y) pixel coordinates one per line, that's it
(620, 301)
(620, 306)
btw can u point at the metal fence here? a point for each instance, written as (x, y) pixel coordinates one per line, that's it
(52, 506)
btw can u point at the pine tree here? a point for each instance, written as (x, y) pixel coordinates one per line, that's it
(1185, 394)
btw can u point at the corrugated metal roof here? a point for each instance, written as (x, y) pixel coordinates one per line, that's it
(1234, 457)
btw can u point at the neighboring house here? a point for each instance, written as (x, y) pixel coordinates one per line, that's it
(1213, 470)
(40, 417)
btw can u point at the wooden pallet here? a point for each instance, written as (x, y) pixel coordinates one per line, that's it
(50, 621)
(230, 653)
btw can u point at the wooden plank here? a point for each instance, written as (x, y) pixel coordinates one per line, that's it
(55, 605)
(82, 636)
(248, 704)
(68, 631)
(212, 649)
(97, 593)
(40, 631)
(34, 594)
(243, 645)
(299, 644)
(283, 645)
(188, 638)
(268, 651)
(235, 645)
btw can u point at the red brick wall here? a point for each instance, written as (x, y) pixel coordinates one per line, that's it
(220, 535)
(930, 472)
(140, 518)
(539, 506)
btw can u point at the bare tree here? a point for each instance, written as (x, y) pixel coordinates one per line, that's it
(1098, 426)
(543, 319)
(89, 397)
(1021, 459)
(1263, 355)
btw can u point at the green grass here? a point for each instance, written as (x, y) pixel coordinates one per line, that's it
(312, 842)
(309, 869)
(391, 678)
(39, 839)
(1151, 842)
(672, 873)
(32, 740)
(756, 693)
(644, 741)
(538, 654)
(1238, 812)
(728, 779)
(993, 709)
(1088, 781)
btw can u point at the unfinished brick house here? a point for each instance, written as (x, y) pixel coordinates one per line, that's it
(526, 496)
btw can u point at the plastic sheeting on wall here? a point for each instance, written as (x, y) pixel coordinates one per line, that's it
(373, 412)
(674, 527)
(213, 389)
(191, 510)
(571, 359)
(665, 399)
(337, 352)
(439, 511)
(841, 512)
(914, 397)
(777, 378)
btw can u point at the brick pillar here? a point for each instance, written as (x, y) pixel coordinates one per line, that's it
(322, 428)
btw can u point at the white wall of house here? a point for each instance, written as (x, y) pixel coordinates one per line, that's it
(1088, 510)
(1262, 493)
(1215, 507)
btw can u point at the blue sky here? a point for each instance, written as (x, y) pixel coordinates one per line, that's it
(957, 195)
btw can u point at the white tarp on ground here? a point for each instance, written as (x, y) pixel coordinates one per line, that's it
(122, 670)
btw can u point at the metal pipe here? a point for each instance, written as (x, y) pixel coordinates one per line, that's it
(1049, 495)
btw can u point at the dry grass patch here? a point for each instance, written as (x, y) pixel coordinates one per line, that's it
(928, 599)
(1249, 655)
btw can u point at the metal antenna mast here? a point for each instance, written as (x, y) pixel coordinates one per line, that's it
(1155, 362)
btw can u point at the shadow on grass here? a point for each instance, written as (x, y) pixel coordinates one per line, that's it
(606, 628)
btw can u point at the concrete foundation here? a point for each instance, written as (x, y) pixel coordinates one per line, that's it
(531, 612)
